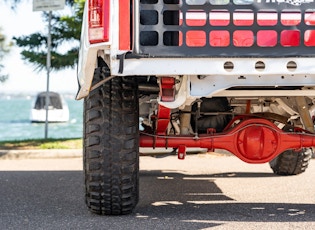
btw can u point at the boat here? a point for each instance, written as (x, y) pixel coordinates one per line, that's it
(58, 110)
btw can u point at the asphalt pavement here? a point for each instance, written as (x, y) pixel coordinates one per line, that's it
(204, 191)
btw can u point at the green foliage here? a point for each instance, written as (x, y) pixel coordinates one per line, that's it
(4, 48)
(65, 35)
(43, 144)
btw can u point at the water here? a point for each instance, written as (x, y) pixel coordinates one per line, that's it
(15, 120)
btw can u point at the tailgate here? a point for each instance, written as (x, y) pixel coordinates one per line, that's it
(225, 28)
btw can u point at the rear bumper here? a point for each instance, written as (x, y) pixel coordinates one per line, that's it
(209, 67)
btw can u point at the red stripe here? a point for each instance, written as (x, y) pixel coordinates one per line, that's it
(124, 24)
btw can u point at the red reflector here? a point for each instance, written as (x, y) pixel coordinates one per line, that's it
(98, 15)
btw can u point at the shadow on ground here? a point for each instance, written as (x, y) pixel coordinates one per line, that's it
(54, 200)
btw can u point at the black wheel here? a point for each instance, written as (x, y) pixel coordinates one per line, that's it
(111, 146)
(291, 162)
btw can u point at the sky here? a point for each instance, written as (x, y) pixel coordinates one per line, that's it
(22, 76)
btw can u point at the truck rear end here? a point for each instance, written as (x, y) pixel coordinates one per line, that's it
(177, 74)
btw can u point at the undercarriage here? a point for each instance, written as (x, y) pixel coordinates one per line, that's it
(254, 129)
(236, 75)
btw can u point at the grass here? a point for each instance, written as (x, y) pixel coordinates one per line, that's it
(74, 143)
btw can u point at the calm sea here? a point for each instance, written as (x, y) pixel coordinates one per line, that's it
(15, 120)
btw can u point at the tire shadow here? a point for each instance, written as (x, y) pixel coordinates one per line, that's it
(172, 200)
(198, 199)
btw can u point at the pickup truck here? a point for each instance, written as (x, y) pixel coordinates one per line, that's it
(237, 75)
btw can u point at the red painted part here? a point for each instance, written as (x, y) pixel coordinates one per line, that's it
(167, 90)
(124, 25)
(163, 119)
(181, 152)
(98, 19)
(168, 81)
(242, 37)
(248, 106)
(252, 140)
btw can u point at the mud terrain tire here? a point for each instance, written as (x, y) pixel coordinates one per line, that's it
(291, 162)
(111, 146)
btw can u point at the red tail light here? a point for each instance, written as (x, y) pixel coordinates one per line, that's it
(98, 13)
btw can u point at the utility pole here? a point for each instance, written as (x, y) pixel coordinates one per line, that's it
(48, 5)
(48, 65)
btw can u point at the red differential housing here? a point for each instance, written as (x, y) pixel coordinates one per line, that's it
(253, 140)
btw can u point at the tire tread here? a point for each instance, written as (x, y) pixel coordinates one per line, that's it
(111, 155)
(291, 162)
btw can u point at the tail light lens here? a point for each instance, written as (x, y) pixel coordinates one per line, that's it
(98, 15)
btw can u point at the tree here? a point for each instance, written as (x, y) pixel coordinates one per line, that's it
(65, 34)
(4, 49)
